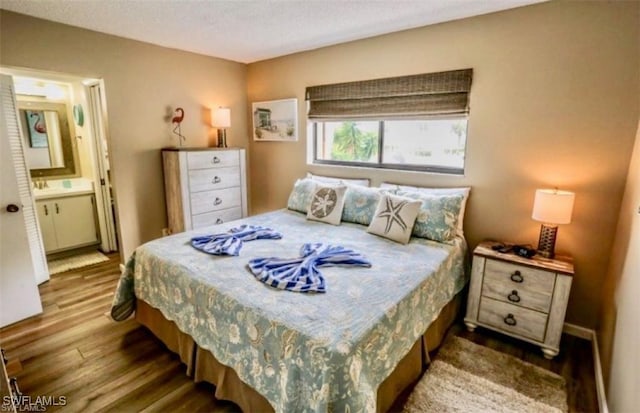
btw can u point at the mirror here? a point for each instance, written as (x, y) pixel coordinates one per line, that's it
(49, 148)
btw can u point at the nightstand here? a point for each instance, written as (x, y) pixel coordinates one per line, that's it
(525, 298)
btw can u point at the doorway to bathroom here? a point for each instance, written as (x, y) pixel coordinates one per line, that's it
(63, 124)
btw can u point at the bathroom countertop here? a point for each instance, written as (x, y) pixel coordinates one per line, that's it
(49, 193)
(63, 188)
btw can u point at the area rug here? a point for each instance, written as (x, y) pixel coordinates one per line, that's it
(76, 261)
(466, 377)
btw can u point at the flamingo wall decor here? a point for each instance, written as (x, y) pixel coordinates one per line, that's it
(37, 128)
(178, 116)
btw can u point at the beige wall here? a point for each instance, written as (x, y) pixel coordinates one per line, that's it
(554, 102)
(619, 334)
(141, 82)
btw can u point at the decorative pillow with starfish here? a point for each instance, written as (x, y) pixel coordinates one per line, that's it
(327, 202)
(394, 218)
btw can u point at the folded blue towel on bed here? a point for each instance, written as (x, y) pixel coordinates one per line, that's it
(230, 243)
(302, 274)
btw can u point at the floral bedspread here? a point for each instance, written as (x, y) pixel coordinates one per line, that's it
(302, 352)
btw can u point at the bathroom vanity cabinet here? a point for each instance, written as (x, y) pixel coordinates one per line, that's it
(67, 222)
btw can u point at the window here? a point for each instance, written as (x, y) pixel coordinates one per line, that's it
(431, 145)
(415, 122)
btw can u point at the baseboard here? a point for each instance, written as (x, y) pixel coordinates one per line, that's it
(590, 334)
(578, 331)
(121, 268)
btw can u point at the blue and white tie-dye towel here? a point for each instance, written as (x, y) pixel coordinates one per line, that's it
(230, 243)
(302, 274)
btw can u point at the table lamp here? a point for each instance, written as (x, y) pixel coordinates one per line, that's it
(222, 120)
(551, 207)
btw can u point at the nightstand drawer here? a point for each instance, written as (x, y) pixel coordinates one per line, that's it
(519, 277)
(495, 286)
(207, 159)
(513, 319)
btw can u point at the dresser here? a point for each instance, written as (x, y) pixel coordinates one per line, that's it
(525, 298)
(204, 186)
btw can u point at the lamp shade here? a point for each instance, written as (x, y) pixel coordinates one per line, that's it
(553, 206)
(222, 118)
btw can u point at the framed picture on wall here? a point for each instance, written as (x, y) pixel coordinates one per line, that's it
(37, 128)
(275, 120)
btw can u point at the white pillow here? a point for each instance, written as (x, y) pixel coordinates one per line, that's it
(335, 181)
(394, 218)
(464, 191)
(327, 202)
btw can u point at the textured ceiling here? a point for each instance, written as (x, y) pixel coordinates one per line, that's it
(250, 30)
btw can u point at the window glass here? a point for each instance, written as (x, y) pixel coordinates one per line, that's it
(425, 142)
(434, 144)
(348, 141)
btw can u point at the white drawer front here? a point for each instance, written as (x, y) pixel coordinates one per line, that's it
(212, 159)
(218, 178)
(215, 217)
(502, 288)
(519, 276)
(513, 319)
(215, 200)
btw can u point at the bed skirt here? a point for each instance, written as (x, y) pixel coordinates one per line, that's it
(205, 367)
(168, 332)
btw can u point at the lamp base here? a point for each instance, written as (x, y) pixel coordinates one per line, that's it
(547, 240)
(222, 138)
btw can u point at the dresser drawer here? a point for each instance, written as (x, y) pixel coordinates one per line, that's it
(218, 178)
(216, 217)
(513, 319)
(500, 287)
(218, 159)
(215, 200)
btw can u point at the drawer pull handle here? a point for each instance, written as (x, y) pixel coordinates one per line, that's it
(219, 221)
(57, 208)
(218, 201)
(514, 297)
(510, 320)
(46, 210)
(215, 160)
(216, 180)
(516, 277)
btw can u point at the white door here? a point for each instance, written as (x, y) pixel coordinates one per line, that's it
(98, 114)
(19, 296)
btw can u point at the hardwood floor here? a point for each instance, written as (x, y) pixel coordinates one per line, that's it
(75, 350)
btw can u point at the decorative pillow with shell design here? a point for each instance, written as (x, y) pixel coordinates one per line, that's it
(327, 202)
(464, 191)
(438, 216)
(360, 204)
(300, 195)
(394, 218)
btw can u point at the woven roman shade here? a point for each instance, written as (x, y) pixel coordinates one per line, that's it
(416, 96)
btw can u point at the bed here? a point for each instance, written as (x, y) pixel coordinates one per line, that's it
(353, 348)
